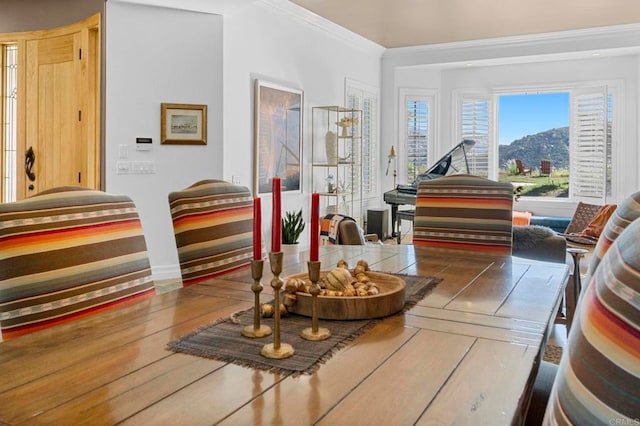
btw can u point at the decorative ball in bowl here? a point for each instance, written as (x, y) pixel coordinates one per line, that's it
(389, 299)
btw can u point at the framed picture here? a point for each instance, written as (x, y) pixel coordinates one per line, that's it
(183, 124)
(277, 136)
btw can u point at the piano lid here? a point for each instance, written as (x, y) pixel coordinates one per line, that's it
(452, 163)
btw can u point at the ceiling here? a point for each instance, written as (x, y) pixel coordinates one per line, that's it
(404, 23)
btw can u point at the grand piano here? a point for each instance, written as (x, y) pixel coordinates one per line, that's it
(452, 163)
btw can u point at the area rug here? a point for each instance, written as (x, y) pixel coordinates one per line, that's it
(552, 353)
(222, 340)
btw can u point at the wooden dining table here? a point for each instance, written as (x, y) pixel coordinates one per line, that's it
(467, 353)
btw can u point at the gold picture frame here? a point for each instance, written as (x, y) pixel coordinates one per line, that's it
(183, 124)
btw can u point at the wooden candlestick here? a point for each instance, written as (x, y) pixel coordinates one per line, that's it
(314, 332)
(276, 350)
(256, 330)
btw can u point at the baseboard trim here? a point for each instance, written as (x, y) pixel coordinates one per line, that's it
(166, 272)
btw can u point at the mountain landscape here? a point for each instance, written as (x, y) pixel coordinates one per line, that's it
(551, 144)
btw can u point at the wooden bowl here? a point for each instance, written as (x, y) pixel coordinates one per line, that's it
(389, 301)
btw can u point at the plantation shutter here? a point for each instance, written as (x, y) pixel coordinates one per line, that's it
(417, 136)
(588, 144)
(475, 118)
(366, 99)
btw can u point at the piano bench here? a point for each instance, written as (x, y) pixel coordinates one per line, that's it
(403, 215)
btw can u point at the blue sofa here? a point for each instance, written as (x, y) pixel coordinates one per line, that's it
(558, 224)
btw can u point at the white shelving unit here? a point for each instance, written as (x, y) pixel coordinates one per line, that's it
(337, 160)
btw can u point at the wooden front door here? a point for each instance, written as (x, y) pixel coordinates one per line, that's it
(60, 143)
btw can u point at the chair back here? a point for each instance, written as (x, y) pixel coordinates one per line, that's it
(625, 213)
(213, 228)
(68, 252)
(464, 212)
(545, 167)
(599, 373)
(522, 170)
(341, 230)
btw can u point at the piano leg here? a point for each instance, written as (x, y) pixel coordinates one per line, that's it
(394, 215)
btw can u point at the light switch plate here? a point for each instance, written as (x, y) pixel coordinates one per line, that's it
(123, 151)
(144, 144)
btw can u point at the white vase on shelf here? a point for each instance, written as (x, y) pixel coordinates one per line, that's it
(331, 147)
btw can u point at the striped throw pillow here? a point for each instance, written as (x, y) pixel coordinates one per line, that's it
(213, 228)
(68, 252)
(464, 212)
(598, 378)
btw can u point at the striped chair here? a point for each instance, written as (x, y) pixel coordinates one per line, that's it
(464, 212)
(625, 213)
(599, 375)
(213, 227)
(68, 252)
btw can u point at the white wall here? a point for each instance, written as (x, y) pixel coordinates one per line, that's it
(515, 63)
(275, 41)
(615, 70)
(156, 55)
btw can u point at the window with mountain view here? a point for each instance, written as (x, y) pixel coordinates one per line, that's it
(533, 143)
(554, 144)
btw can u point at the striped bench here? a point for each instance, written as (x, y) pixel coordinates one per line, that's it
(68, 252)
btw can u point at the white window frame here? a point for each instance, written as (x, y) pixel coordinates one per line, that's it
(371, 142)
(614, 88)
(430, 97)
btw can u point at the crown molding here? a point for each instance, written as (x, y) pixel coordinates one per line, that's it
(217, 7)
(589, 39)
(336, 31)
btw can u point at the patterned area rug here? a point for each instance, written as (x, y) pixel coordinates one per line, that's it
(223, 341)
(552, 354)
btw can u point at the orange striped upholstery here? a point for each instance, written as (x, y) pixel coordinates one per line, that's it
(213, 227)
(599, 375)
(625, 213)
(464, 212)
(68, 252)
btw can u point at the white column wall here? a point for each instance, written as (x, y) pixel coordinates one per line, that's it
(274, 42)
(156, 55)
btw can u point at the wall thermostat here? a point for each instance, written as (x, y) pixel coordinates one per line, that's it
(144, 144)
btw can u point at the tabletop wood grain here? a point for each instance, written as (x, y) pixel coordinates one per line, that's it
(466, 354)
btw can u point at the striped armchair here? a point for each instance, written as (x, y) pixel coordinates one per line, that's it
(464, 212)
(625, 213)
(213, 227)
(68, 252)
(599, 374)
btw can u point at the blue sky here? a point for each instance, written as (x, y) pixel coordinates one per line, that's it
(522, 115)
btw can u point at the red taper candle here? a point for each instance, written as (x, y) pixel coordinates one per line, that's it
(315, 228)
(276, 216)
(257, 229)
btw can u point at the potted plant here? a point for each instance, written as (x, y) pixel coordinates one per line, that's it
(292, 227)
